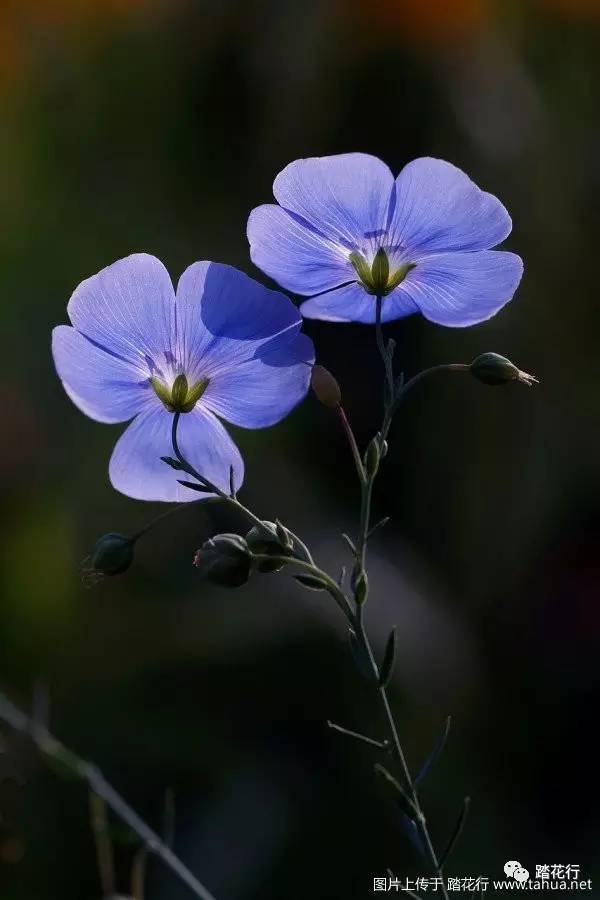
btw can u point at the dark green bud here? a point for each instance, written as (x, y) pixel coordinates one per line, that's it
(361, 587)
(225, 560)
(325, 387)
(491, 368)
(269, 539)
(372, 456)
(112, 555)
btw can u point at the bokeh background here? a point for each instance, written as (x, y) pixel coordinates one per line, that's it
(133, 125)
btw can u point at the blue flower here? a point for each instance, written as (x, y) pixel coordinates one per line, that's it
(345, 232)
(222, 346)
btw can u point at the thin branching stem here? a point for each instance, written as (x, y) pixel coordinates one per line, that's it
(352, 443)
(53, 749)
(231, 499)
(393, 395)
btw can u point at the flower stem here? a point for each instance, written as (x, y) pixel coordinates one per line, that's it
(331, 586)
(227, 498)
(233, 501)
(352, 442)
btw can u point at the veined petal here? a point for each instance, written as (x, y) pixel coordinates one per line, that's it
(459, 289)
(136, 468)
(224, 317)
(295, 256)
(103, 386)
(264, 389)
(344, 198)
(438, 208)
(353, 304)
(128, 309)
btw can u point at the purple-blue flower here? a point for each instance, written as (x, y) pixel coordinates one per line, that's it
(222, 347)
(346, 231)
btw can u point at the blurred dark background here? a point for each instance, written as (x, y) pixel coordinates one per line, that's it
(133, 125)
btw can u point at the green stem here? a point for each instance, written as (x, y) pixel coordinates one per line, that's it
(398, 753)
(352, 442)
(227, 498)
(331, 586)
(232, 501)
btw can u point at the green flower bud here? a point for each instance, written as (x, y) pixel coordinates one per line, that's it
(225, 560)
(269, 539)
(112, 555)
(491, 368)
(373, 455)
(325, 387)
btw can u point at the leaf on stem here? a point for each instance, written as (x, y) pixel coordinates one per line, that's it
(193, 486)
(312, 582)
(411, 830)
(361, 657)
(401, 797)
(460, 824)
(377, 526)
(174, 463)
(350, 543)
(435, 753)
(389, 658)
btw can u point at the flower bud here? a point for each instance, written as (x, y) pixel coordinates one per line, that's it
(269, 539)
(325, 387)
(372, 456)
(225, 560)
(112, 555)
(491, 368)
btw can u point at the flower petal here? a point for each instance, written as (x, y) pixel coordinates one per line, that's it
(136, 468)
(103, 386)
(128, 310)
(224, 317)
(343, 197)
(295, 256)
(438, 207)
(331, 205)
(459, 289)
(263, 390)
(353, 304)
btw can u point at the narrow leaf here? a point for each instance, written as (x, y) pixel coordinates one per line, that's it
(174, 463)
(409, 826)
(350, 543)
(377, 526)
(231, 483)
(389, 658)
(460, 824)
(193, 486)
(311, 582)
(435, 753)
(402, 798)
(361, 657)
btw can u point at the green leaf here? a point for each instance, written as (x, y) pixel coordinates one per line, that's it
(311, 582)
(389, 658)
(435, 753)
(402, 798)
(361, 657)
(460, 824)
(174, 463)
(194, 486)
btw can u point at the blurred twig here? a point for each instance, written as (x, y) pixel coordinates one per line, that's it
(50, 747)
(104, 848)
